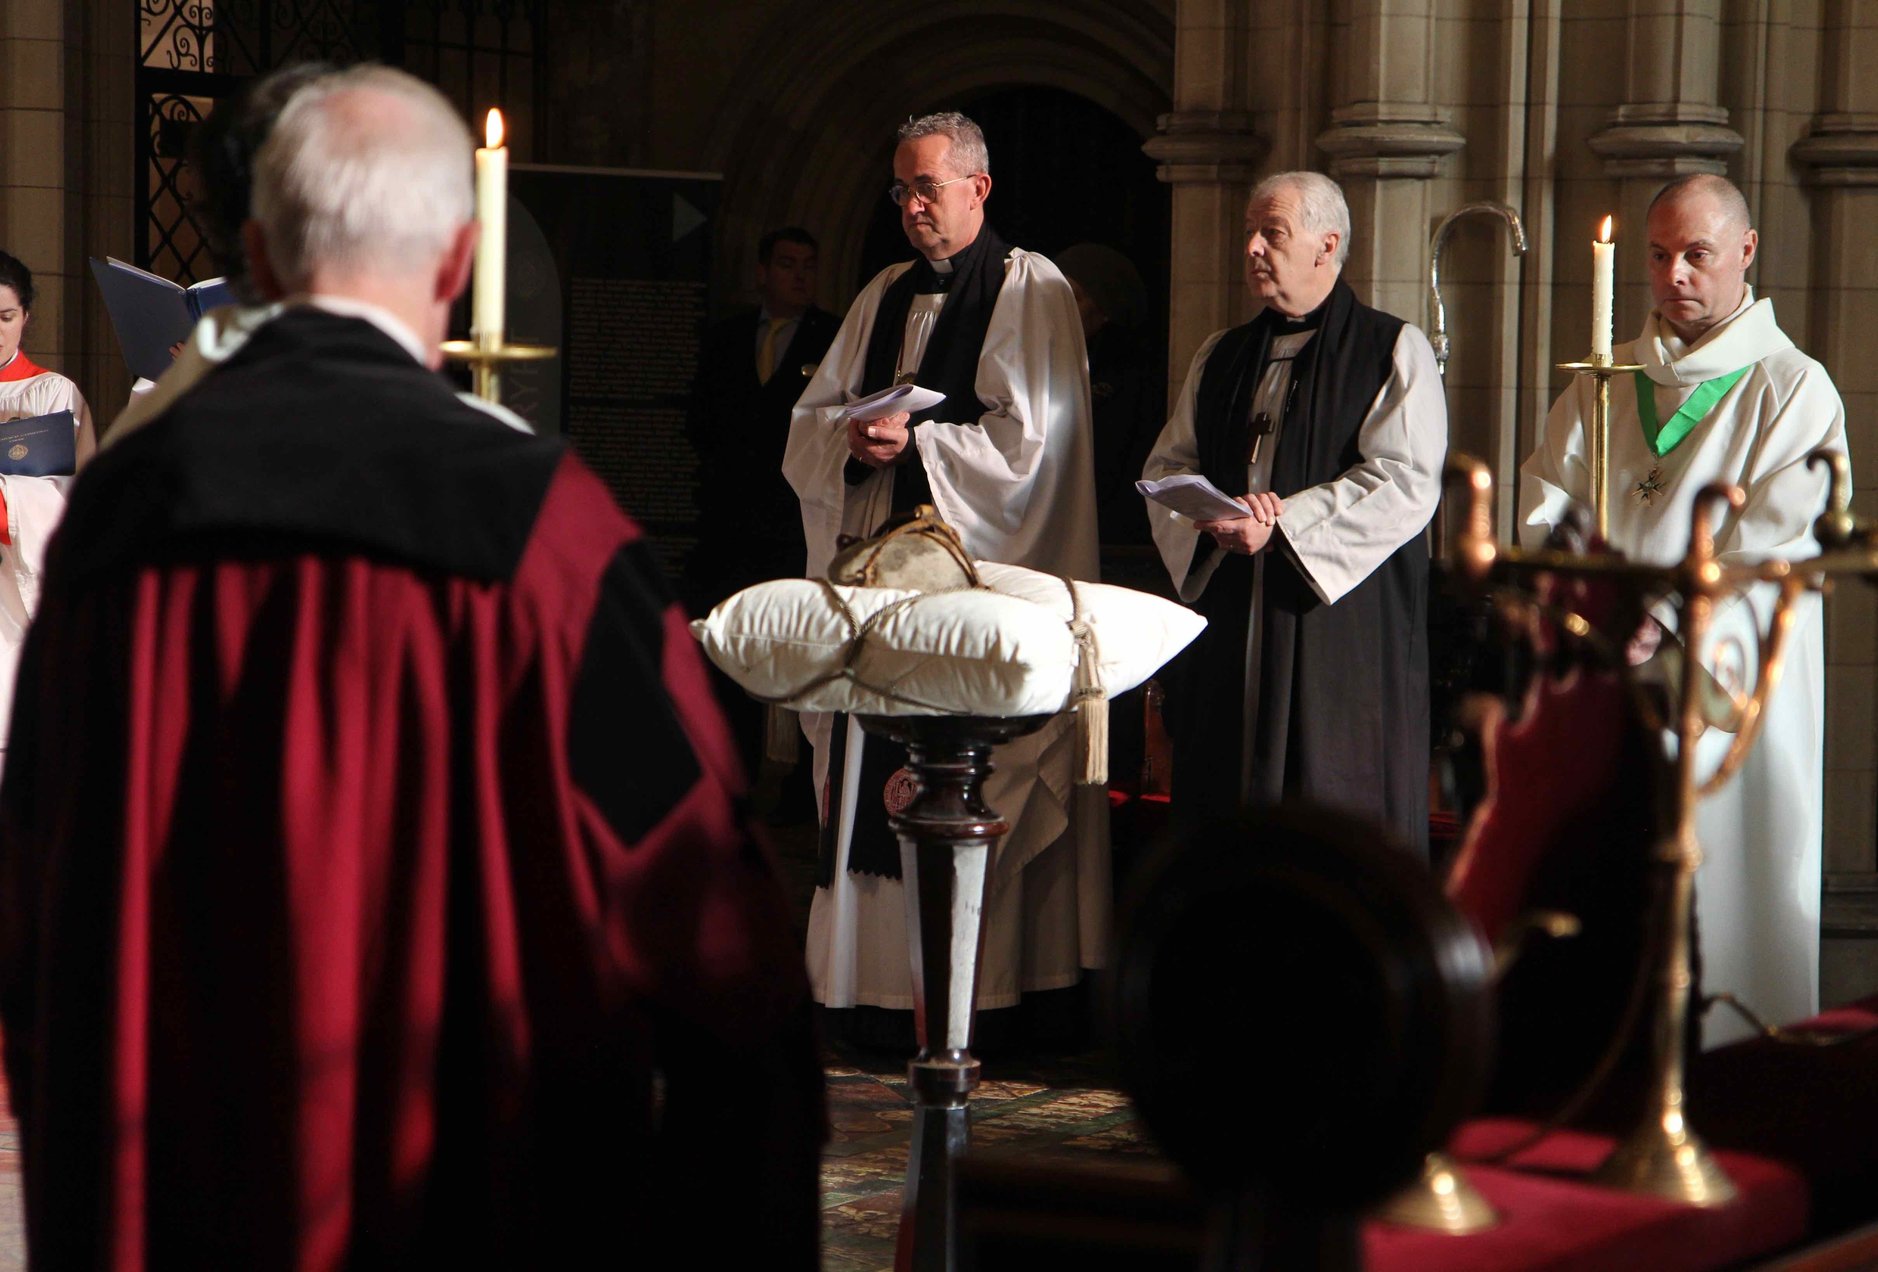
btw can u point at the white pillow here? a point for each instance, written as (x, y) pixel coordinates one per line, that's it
(819, 646)
(1005, 650)
(1136, 633)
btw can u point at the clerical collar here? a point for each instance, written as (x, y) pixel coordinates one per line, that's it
(1287, 325)
(938, 276)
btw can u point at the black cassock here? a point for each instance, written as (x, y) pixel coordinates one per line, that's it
(1342, 688)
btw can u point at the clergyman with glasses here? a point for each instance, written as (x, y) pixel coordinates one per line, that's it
(1006, 458)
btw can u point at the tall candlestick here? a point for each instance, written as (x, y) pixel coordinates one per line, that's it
(1603, 291)
(492, 210)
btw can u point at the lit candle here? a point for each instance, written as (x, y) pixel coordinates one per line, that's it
(492, 210)
(1603, 290)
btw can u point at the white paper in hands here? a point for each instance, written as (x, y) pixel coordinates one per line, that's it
(901, 397)
(1192, 495)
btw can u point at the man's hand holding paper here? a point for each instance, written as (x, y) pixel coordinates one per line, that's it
(879, 442)
(1251, 533)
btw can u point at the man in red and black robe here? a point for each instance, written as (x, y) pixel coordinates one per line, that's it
(374, 887)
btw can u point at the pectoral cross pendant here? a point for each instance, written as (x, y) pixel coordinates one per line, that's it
(1650, 487)
(1261, 429)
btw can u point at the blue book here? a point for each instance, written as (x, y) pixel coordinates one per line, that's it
(39, 446)
(151, 313)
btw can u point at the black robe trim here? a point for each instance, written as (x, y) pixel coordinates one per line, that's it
(950, 362)
(320, 434)
(949, 366)
(1343, 688)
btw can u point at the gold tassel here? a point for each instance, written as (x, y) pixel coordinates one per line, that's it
(782, 738)
(1092, 731)
(1088, 700)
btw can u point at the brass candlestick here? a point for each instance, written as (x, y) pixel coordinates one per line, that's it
(1662, 1156)
(1599, 442)
(487, 360)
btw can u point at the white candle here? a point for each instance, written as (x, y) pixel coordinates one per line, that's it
(1603, 291)
(492, 210)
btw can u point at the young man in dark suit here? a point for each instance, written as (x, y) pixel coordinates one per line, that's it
(751, 369)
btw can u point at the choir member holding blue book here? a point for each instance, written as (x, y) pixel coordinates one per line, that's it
(30, 506)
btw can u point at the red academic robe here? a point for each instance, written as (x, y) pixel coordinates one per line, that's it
(368, 843)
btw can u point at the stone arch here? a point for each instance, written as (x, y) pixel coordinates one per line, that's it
(803, 138)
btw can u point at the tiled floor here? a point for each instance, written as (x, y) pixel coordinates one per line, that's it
(12, 1214)
(1060, 1110)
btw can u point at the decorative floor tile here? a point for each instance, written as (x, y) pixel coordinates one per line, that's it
(1058, 1111)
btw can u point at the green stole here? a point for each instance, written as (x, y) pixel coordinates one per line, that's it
(1664, 439)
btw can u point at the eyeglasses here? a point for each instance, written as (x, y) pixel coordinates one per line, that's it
(925, 189)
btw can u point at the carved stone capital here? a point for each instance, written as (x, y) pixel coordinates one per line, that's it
(1666, 139)
(1216, 146)
(1381, 139)
(1841, 150)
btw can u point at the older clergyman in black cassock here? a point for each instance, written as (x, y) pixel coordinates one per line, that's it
(1329, 417)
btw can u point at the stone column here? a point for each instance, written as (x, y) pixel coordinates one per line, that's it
(1670, 123)
(1385, 141)
(65, 177)
(102, 216)
(33, 166)
(1210, 154)
(1840, 154)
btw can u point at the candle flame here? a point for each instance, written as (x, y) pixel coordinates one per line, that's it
(492, 129)
(1604, 233)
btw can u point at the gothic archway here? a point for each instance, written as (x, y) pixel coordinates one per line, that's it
(804, 139)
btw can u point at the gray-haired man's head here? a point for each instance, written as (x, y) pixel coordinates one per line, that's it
(1297, 237)
(941, 178)
(367, 171)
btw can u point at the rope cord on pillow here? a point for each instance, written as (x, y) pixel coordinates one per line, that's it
(1088, 698)
(857, 632)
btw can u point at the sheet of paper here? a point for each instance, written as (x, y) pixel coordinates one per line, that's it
(1192, 495)
(901, 397)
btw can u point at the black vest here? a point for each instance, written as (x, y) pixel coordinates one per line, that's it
(950, 362)
(1339, 374)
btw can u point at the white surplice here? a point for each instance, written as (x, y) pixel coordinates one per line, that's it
(34, 506)
(1017, 482)
(1758, 889)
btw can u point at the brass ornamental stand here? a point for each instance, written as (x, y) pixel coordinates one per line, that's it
(486, 362)
(1599, 440)
(1662, 1156)
(1440, 1200)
